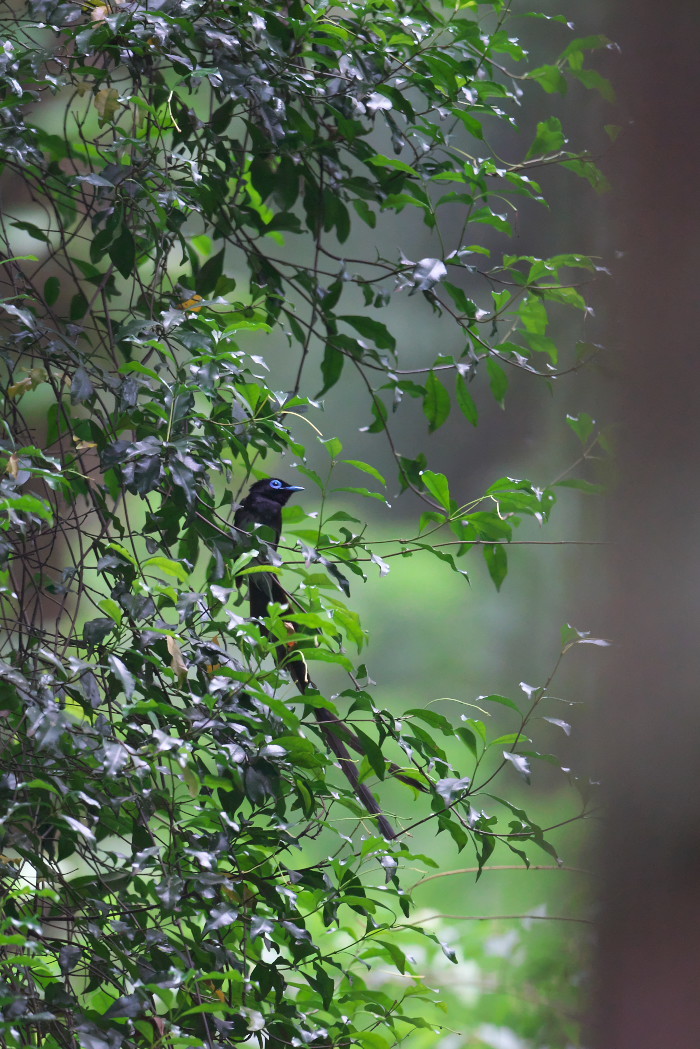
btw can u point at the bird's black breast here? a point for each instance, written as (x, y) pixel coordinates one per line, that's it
(263, 513)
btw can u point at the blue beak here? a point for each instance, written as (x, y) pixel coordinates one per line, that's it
(294, 488)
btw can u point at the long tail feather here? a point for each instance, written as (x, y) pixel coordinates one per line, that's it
(263, 589)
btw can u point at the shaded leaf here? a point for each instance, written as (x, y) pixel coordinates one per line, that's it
(81, 386)
(436, 404)
(122, 252)
(125, 677)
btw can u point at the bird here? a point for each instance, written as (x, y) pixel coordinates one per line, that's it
(260, 515)
(263, 506)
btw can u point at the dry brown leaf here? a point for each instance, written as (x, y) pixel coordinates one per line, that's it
(12, 467)
(177, 663)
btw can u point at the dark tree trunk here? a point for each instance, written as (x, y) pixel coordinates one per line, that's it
(649, 852)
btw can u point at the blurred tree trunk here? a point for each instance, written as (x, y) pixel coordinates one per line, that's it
(650, 721)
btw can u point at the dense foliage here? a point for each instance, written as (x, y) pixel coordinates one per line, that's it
(183, 183)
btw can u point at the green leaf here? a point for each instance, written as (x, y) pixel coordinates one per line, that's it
(32, 230)
(436, 404)
(334, 447)
(498, 380)
(125, 677)
(395, 955)
(322, 655)
(592, 79)
(365, 212)
(380, 415)
(366, 468)
(122, 252)
(496, 562)
(430, 517)
(371, 329)
(550, 78)
(96, 630)
(569, 296)
(464, 304)
(300, 752)
(501, 700)
(312, 475)
(362, 491)
(391, 162)
(543, 344)
(438, 486)
(432, 718)
(585, 168)
(203, 244)
(112, 609)
(52, 289)
(533, 314)
(469, 739)
(491, 218)
(582, 425)
(466, 401)
(171, 568)
(331, 367)
(209, 274)
(470, 122)
(549, 138)
(585, 43)
(490, 525)
(582, 486)
(78, 306)
(373, 753)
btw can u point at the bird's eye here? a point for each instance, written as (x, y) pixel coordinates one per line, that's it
(275, 483)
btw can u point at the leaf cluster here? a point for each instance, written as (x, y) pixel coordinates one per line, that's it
(182, 864)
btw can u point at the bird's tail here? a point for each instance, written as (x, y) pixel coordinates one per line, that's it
(347, 764)
(265, 588)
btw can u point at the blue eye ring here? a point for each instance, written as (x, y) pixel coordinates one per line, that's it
(274, 483)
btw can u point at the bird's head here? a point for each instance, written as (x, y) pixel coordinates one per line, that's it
(275, 489)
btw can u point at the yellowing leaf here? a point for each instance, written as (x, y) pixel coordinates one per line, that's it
(107, 103)
(82, 446)
(18, 389)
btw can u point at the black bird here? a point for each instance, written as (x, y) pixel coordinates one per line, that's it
(263, 506)
(260, 514)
